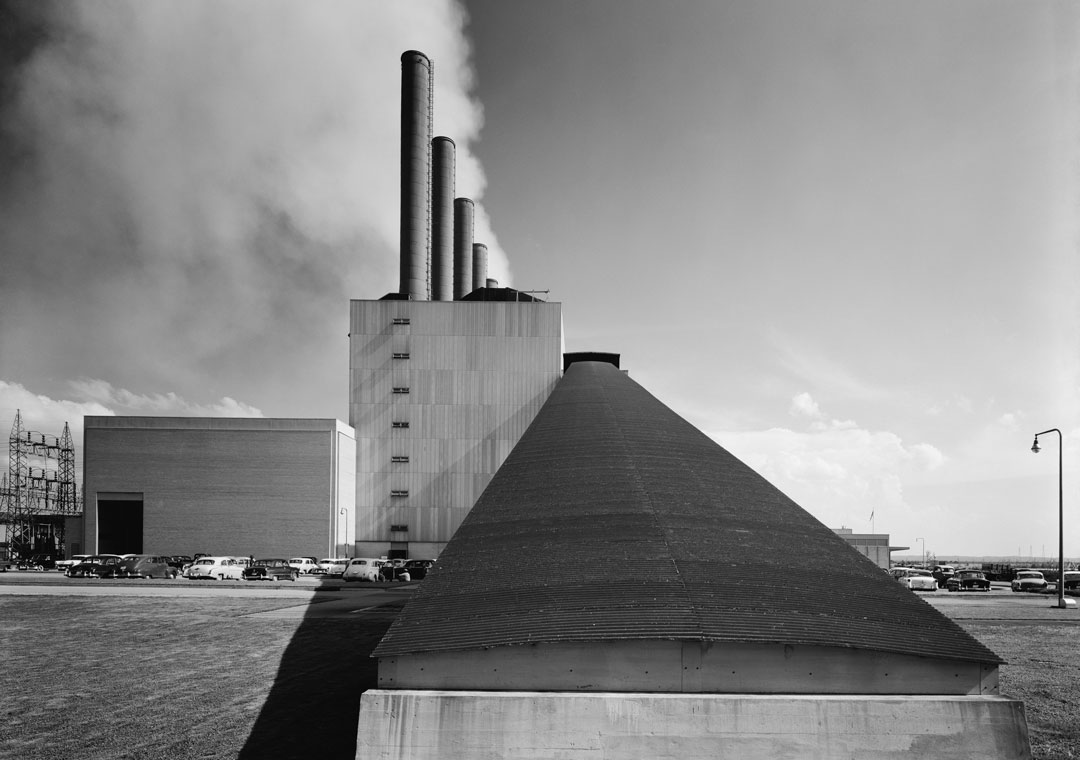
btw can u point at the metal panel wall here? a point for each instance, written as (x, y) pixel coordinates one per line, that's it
(439, 394)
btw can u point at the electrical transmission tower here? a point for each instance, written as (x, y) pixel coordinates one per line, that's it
(38, 492)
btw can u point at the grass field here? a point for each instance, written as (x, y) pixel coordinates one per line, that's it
(96, 678)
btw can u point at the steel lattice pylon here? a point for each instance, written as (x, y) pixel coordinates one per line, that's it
(38, 491)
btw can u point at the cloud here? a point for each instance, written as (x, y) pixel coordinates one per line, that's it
(167, 404)
(98, 398)
(197, 179)
(834, 469)
(803, 404)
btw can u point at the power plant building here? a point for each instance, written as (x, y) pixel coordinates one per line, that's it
(439, 393)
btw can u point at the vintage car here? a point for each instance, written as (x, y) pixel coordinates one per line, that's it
(307, 566)
(1072, 580)
(334, 566)
(394, 570)
(942, 573)
(217, 568)
(362, 569)
(147, 566)
(968, 580)
(418, 568)
(1029, 580)
(91, 567)
(915, 578)
(270, 570)
(63, 564)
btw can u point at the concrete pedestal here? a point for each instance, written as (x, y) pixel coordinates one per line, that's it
(487, 725)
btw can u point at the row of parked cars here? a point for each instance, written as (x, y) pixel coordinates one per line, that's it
(208, 567)
(921, 579)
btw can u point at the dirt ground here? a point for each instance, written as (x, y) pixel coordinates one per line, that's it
(96, 677)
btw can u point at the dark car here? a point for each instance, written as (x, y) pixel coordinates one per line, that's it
(270, 570)
(88, 566)
(98, 566)
(394, 570)
(147, 566)
(418, 568)
(42, 562)
(180, 562)
(968, 580)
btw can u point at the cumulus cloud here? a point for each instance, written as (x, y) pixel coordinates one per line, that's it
(835, 469)
(92, 397)
(804, 405)
(157, 404)
(197, 187)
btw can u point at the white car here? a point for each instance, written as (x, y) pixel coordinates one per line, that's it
(363, 569)
(217, 568)
(306, 565)
(915, 578)
(334, 565)
(1029, 580)
(64, 564)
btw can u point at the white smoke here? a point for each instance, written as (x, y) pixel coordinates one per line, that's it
(203, 184)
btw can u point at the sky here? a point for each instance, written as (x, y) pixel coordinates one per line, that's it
(838, 237)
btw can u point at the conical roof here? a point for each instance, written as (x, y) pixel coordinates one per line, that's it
(615, 519)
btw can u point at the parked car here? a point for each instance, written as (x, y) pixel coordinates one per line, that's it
(307, 565)
(915, 578)
(110, 567)
(968, 580)
(362, 569)
(334, 566)
(147, 566)
(63, 564)
(41, 562)
(1029, 580)
(1072, 580)
(273, 569)
(418, 568)
(217, 568)
(394, 570)
(91, 566)
(942, 573)
(180, 562)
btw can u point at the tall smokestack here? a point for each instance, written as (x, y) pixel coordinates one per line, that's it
(479, 265)
(463, 247)
(416, 97)
(444, 160)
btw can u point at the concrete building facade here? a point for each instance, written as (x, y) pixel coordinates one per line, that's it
(233, 486)
(439, 393)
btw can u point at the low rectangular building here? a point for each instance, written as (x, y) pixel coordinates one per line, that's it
(233, 486)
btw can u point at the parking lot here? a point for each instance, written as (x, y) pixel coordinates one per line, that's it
(209, 669)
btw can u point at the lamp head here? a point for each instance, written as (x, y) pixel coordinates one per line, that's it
(1035, 446)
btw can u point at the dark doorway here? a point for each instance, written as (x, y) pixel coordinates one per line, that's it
(120, 526)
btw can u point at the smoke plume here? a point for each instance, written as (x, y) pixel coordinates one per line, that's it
(193, 189)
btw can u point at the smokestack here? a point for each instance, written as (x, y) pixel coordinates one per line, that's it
(463, 247)
(416, 94)
(444, 160)
(479, 265)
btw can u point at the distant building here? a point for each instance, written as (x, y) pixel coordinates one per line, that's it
(873, 545)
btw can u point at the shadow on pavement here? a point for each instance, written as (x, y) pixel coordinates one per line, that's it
(314, 704)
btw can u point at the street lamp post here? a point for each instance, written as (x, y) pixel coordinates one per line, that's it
(346, 513)
(923, 551)
(1062, 602)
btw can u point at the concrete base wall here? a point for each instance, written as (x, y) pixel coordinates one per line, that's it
(478, 725)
